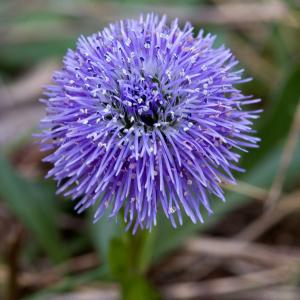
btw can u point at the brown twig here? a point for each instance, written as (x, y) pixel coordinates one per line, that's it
(255, 62)
(275, 211)
(283, 292)
(28, 88)
(231, 285)
(237, 13)
(12, 255)
(288, 204)
(232, 248)
(19, 107)
(17, 123)
(52, 275)
(102, 293)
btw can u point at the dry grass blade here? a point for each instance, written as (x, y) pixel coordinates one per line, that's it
(75, 265)
(103, 293)
(19, 122)
(255, 62)
(28, 87)
(281, 292)
(248, 190)
(19, 109)
(52, 275)
(231, 285)
(287, 205)
(237, 13)
(13, 258)
(231, 248)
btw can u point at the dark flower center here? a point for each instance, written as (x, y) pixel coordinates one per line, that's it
(142, 100)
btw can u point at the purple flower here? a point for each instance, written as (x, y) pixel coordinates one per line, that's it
(144, 116)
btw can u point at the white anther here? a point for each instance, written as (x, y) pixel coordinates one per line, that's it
(128, 42)
(84, 110)
(132, 166)
(108, 58)
(172, 210)
(188, 79)
(204, 68)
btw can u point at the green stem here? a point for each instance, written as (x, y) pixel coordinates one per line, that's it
(130, 257)
(139, 250)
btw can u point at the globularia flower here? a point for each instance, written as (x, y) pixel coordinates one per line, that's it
(144, 116)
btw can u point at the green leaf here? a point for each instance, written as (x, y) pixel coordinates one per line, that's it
(118, 258)
(34, 204)
(147, 250)
(28, 53)
(102, 233)
(277, 119)
(107, 230)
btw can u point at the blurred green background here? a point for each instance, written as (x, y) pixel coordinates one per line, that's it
(49, 252)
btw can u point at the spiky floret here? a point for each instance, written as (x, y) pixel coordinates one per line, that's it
(144, 115)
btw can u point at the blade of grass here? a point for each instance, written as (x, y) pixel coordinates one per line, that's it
(102, 233)
(34, 205)
(277, 119)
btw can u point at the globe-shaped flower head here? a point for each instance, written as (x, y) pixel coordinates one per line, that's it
(144, 116)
